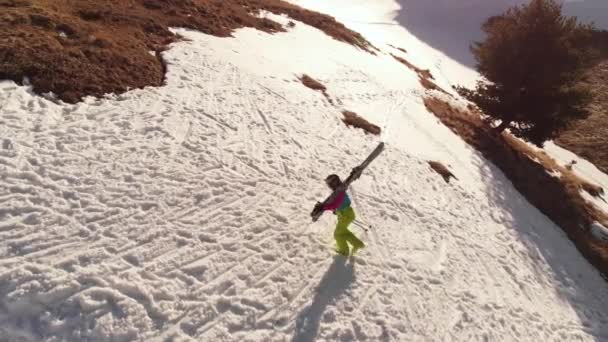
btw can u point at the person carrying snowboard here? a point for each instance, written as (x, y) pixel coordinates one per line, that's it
(346, 215)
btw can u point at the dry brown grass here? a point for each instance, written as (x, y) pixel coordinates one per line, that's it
(589, 138)
(78, 48)
(351, 119)
(312, 83)
(424, 75)
(592, 189)
(529, 170)
(551, 165)
(398, 48)
(430, 85)
(442, 170)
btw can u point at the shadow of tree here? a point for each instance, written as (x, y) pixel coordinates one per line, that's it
(517, 183)
(581, 287)
(338, 278)
(452, 26)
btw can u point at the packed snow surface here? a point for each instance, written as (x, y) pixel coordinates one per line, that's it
(182, 212)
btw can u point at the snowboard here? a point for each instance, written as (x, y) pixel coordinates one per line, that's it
(354, 175)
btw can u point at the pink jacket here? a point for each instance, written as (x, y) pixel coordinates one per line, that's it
(342, 201)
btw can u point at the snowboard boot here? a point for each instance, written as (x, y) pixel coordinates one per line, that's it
(357, 248)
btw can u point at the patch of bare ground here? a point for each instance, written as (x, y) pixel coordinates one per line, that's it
(430, 85)
(533, 173)
(589, 138)
(79, 48)
(424, 75)
(352, 119)
(398, 48)
(442, 170)
(313, 84)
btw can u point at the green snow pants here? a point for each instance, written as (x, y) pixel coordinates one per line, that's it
(343, 235)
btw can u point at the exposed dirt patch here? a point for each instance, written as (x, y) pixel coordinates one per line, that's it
(430, 85)
(313, 84)
(352, 119)
(589, 138)
(442, 170)
(592, 189)
(398, 48)
(533, 175)
(79, 48)
(424, 75)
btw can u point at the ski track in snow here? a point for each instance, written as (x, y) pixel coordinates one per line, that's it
(181, 213)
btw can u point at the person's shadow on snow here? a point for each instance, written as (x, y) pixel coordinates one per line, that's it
(335, 282)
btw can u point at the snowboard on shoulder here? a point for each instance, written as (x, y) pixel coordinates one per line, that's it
(354, 175)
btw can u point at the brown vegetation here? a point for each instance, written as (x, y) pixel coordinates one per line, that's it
(351, 119)
(313, 84)
(424, 75)
(589, 138)
(442, 170)
(533, 174)
(592, 189)
(78, 48)
(430, 85)
(398, 48)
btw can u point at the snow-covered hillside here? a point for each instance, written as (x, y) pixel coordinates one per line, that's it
(181, 213)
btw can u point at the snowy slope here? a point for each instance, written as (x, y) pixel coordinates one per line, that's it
(181, 213)
(376, 20)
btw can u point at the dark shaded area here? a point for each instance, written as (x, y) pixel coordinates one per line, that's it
(589, 138)
(558, 198)
(315, 85)
(334, 283)
(451, 26)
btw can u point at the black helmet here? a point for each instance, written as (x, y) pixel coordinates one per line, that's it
(333, 181)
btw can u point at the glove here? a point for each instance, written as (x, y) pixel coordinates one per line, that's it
(356, 172)
(318, 208)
